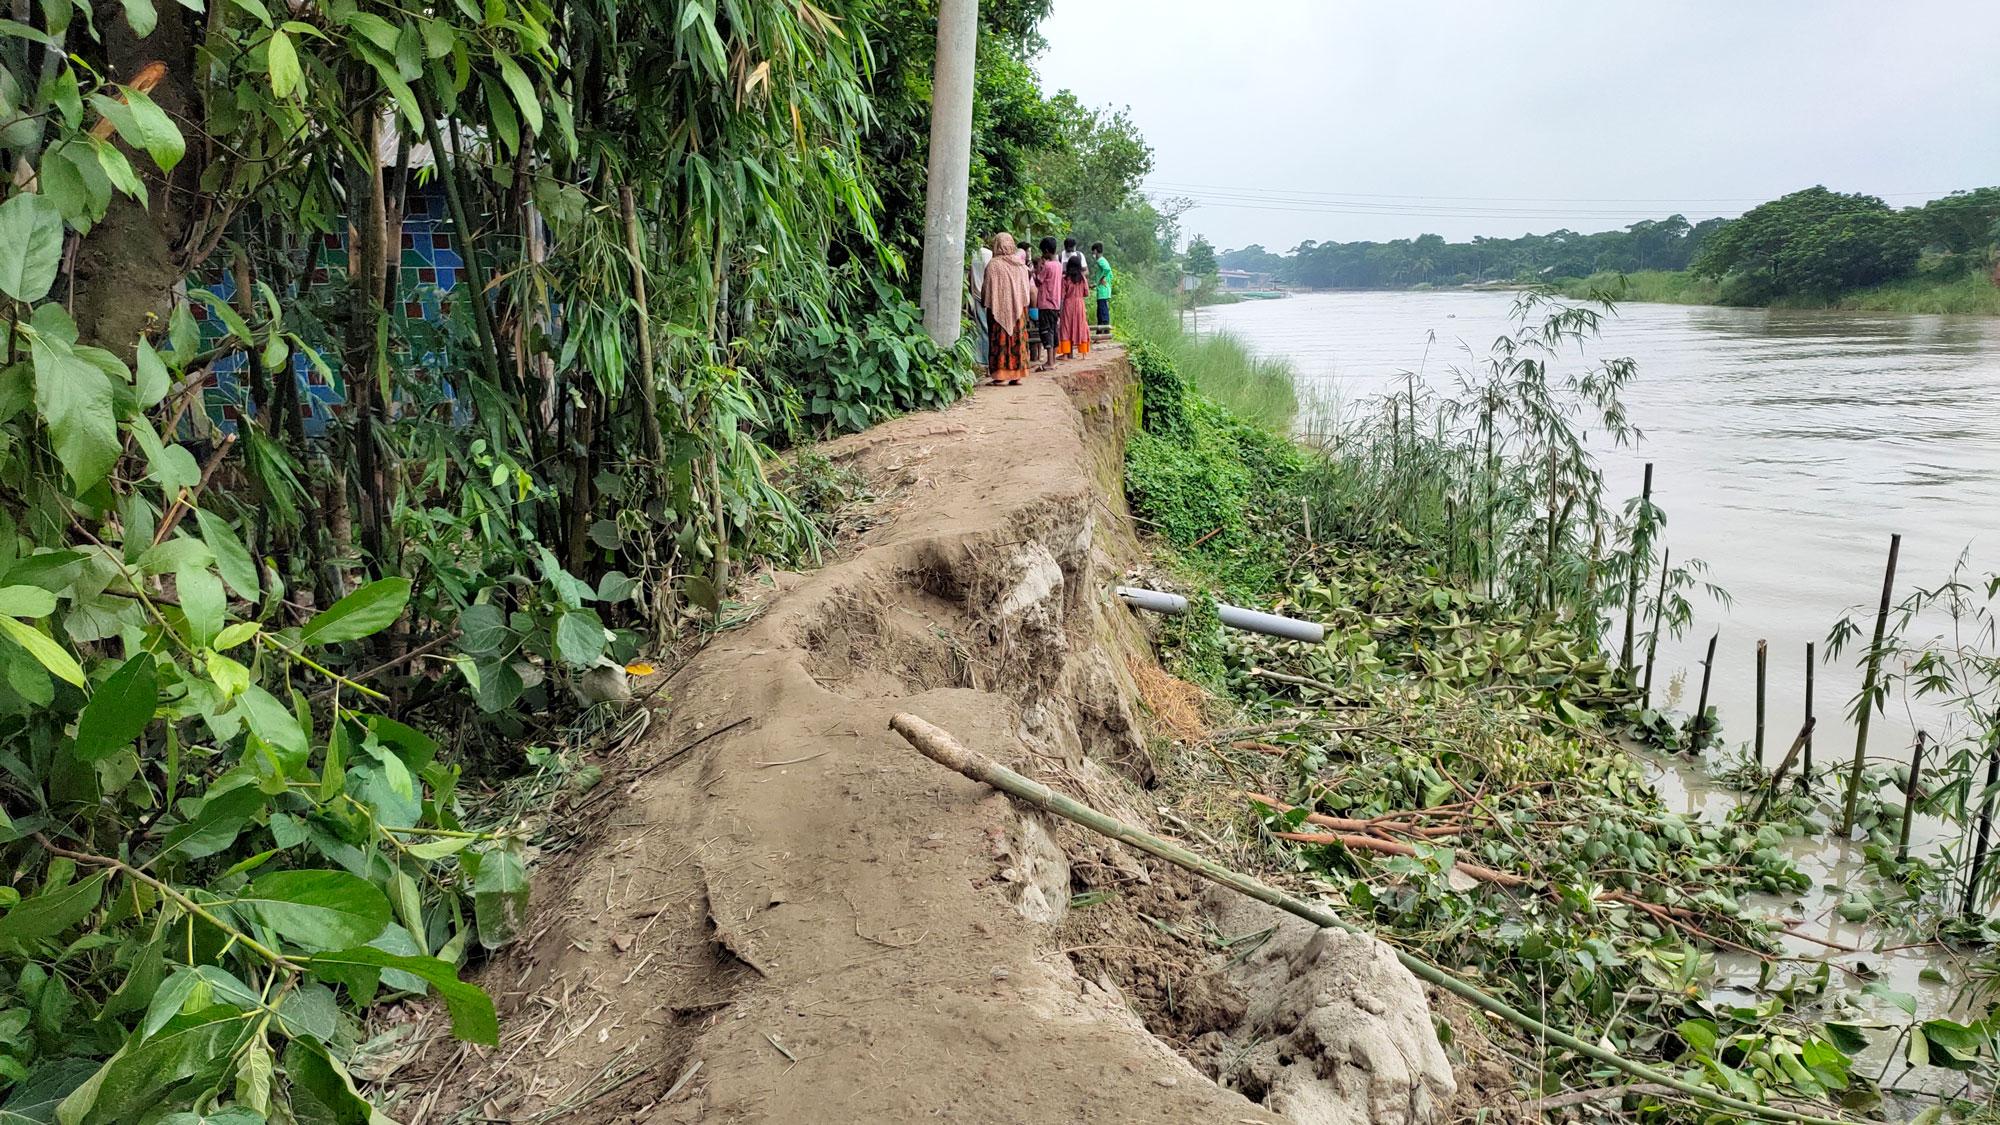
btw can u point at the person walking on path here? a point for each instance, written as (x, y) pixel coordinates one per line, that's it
(1048, 299)
(1100, 279)
(975, 288)
(1007, 292)
(1074, 330)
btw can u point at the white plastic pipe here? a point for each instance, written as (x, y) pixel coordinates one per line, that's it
(1234, 616)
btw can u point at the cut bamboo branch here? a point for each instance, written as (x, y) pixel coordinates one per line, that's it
(1778, 775)
(1867, 707)
(939, 746)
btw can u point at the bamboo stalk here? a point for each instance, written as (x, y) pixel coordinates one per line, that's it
(1805, 771)
(1968, 907)
(656, 450)
(1653, 638)
(940, 747)
(1763, 654)
(1910, 799)
(1701, 708)
(1640, 543)
(1778, 775)
(1868, 687)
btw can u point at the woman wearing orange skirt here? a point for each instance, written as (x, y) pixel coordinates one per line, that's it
(1073, 330)
(1008, 289)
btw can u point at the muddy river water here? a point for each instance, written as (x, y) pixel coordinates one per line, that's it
(1787, 447)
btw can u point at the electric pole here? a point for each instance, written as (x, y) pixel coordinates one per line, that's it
(950, 167)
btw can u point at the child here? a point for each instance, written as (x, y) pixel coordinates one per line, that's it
(1100, 272)
(1048, 299)
(1074, 329)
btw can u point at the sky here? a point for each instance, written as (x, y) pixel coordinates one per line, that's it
(1336, 120)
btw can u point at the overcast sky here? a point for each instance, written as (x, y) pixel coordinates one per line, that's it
(1338, 120)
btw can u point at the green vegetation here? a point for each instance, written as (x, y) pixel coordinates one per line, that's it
(1452, 765)
(1216, 363)
(1810, 249)
(274, 708)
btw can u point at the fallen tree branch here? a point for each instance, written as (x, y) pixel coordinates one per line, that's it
(939, 746)
(1344, 824)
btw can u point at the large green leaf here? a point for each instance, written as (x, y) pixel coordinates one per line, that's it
(232, 559)
(26, 601)
(273, 722)
(472, 1016)
(370, 609)
(202, 600)
(143, 125)
(523, 91)
(119, 711)
(579, 638)
(135, 1077)
(319, 909)
(46, 915)
(216, 826)
(33, 1100)
(78, 404)
(51, 655)
(482, 629)
(500, 894)
(31, 241)
(282, 60)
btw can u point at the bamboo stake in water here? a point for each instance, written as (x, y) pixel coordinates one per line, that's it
(1910, 799)
(1868, 687)
(1762, 652)
(1985, 823)
(939, 746)
(1778, 775)
(1642, 551)
(1805, 772)
(1653, 638)
(1701, 708)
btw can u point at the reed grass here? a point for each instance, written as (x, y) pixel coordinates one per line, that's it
(1219, 365)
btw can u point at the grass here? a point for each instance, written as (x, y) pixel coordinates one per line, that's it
(1217, 364)
(1967, 294)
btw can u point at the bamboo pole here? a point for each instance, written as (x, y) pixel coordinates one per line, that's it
(1868, 687)
(1763, 653)
(1653, 638)
(1701, 708)
(1640, 543)
(1778, 775)
(1805, 771)
(939, 746)
(656, 450)
(1967, 908)
(1910, 799)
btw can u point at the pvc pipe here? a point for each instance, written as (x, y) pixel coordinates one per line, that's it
(1234, 616)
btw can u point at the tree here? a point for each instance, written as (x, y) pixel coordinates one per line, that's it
(1961, 222)
(1200, 259)
(1810, 243)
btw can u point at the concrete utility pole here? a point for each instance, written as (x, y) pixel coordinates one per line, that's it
(951, 166)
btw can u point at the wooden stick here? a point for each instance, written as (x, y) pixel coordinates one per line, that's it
(1868, 687)
(1910, 799)
(1640, 542)
(1346, 824)
(656, 450)
(1701, 708)
(940, 747)
(1653, 638)
(1778, 775)
(1763, 654)
(1805, 772)
(188, 497)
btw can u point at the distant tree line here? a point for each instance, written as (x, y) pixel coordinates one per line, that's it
(1811, 243)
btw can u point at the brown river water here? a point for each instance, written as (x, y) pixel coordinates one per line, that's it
(1787, 447)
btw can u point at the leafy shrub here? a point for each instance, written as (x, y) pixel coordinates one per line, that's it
(872, 360)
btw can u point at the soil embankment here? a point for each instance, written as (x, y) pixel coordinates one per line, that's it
(782, 913)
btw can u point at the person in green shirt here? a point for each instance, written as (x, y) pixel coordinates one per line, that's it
(1100, 279)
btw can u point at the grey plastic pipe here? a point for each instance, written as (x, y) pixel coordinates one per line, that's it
(1234, 616)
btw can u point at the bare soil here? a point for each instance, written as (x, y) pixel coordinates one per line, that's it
(783, 913)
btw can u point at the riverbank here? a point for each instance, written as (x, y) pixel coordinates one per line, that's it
(1481, 719)
(1970, 294)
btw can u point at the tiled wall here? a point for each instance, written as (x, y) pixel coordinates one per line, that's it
(431, 268)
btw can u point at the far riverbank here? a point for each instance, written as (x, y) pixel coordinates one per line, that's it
(1969, 294)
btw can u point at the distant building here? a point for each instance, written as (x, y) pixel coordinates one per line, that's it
(1243, 279)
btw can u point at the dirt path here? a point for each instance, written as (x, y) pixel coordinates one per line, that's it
(791, 916)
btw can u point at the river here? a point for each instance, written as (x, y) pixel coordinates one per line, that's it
(1787, 447)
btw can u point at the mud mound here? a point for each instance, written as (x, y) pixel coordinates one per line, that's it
(784, 914)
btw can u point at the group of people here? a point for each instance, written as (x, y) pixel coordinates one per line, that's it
(1033, 313)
